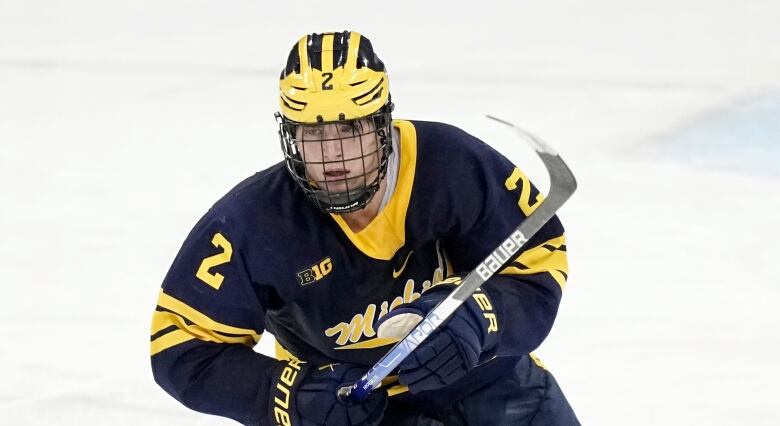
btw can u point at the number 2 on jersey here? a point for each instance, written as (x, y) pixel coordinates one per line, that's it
(215, 279)
(525, 191)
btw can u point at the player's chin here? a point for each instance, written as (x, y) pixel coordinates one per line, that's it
(336, 187)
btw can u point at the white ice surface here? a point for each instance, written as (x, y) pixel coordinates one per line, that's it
(121, 122)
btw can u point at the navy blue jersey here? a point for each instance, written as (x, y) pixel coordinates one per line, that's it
(265, 258)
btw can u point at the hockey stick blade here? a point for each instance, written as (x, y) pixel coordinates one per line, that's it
(562, 186)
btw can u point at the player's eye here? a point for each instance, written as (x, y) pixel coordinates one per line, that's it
(312, 131)
(347, 128)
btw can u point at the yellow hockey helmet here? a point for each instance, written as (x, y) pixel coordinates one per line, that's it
(332, 77)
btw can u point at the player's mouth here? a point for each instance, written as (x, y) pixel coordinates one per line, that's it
(336, 174)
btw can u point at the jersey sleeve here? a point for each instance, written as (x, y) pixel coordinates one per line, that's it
(490, 197)
(208, 317)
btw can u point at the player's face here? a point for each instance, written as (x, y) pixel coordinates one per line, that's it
(340, 156)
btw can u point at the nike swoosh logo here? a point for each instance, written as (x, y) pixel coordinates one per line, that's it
(397, 274)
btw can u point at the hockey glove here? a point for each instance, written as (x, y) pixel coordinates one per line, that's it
(305, 395)
(449, 352)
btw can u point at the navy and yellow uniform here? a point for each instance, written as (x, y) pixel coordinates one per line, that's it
(264, 258)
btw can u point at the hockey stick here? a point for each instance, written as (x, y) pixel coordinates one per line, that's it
(562, 186)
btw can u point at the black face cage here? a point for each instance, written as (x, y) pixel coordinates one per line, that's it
(358, 190)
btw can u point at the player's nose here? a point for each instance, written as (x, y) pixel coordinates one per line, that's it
(331, 143)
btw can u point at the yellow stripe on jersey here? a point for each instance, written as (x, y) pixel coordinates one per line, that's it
(549, 256)
(162, 320)
(537, 361)
(196, 325)
(170, 340)
(181, 308)
(281, 353)
(382, 238)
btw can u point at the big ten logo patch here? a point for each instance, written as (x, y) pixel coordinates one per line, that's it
(315, 272)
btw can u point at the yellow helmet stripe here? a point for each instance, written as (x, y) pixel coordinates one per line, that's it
(303, 55)
(352, 54)
(327, 52)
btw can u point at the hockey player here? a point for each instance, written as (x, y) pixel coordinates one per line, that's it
(366, 225)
